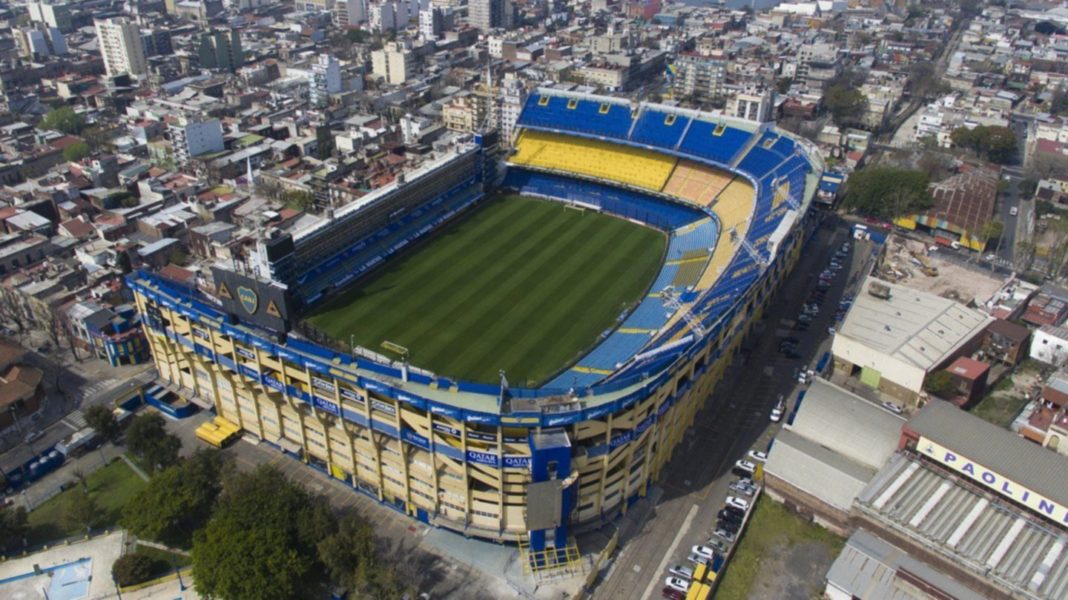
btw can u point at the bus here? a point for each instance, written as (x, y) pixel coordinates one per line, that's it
(218, 432)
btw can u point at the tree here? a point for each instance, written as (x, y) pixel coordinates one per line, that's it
(148, 439)
(350, 560)
(298, 199)
(940, 383)
(846, 104)
(76, 152)
(260, 541)
(102, 420)
(997, 144)
(992, 230)
(63, 119)
(177, 501)
(887, 192)
(82, 511)
(13, 527)
(131, 569)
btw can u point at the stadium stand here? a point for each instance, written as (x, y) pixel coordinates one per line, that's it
(696, 183)
(713, 141)
(617, 201)
(733, 207)
(697, 236)
(362, 256)
(593, 158)
(560, 112)
(659, 128)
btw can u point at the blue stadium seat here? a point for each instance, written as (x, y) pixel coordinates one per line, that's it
(653, 129)
(617, 201)
(760, 161)
(701, 141)
(608, 119)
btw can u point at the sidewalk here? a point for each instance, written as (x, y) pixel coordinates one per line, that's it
(49, 485)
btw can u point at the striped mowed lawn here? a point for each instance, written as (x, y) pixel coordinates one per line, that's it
(518, 284)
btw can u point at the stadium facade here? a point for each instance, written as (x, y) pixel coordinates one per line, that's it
(507, 464)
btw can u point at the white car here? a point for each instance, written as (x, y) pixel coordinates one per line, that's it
(776, 414)
(682, 571)
(698, 559)
(1013, 211)
(677, 583)
(745, 465)
(758, 456)
(703, 551)
(742, 488)
(737, 502)
(890, 406)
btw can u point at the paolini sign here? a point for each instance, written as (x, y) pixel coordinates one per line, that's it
(995, 481)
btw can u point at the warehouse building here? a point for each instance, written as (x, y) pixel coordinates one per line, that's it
(874, 569)
(975, 501)
(894, 336)
(828, 453)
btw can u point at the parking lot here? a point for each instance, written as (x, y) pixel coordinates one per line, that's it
(685, 509)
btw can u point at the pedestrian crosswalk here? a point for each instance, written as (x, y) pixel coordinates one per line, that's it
(75, 420)
(96, 388)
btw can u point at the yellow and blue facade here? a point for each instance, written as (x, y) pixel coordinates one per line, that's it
(458, 454)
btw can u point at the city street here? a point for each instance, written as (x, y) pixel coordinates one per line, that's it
(681, 511)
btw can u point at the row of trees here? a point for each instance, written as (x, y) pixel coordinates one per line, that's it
(253, 535)
(996, 144)
(256, 535)
(888, 192)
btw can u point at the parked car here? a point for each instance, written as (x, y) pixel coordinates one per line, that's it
(776, 415)
(745, 465)
(739, 488)
(890, 406)
(733, 510)
(697, 559)
(729, 515)
(672, 594)
(703, 551)
(758, 456)
(677, 583)
(737, 502)
(731, 527)
(33, 436)
(684, 571)
(726, 535)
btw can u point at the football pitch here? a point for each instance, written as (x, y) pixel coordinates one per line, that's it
(517, 284)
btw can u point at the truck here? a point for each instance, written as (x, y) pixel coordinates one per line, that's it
(79, 442)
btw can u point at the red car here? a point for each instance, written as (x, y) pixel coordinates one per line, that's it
(672, 593)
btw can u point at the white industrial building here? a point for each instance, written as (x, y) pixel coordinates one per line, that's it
(1049, 344)
(828, 452)
(893, 336)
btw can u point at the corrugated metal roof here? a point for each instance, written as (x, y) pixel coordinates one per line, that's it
(868, 566)
(816, 470)
(847, 424)
(1000, 450)
(913, 326)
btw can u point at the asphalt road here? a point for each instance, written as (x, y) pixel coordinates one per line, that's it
(694, 484)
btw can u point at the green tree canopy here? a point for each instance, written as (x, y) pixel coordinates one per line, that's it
(13, 527)
(76, 151)
(131, 569)
(63, 119)
(82, 511)
(178, 500)
(260, 543)
(350, 560)
(846, 104)
(995, 143)
(298, 199)
(992, 230)
(102, 420)
(940, 383)
(148, 439)
(887, 192)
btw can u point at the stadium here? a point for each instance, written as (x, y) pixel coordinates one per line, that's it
(511, 348)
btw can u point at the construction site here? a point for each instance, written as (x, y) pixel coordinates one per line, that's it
(913, 264)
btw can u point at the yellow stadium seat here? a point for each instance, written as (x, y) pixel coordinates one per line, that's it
(593, 158)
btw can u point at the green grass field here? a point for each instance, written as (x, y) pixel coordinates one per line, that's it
(111, 486)
(520, 284)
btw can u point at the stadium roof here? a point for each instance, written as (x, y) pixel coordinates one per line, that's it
(997, 449)
(847, 424)
(910, 325)
(872, 568)
(817, 470)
